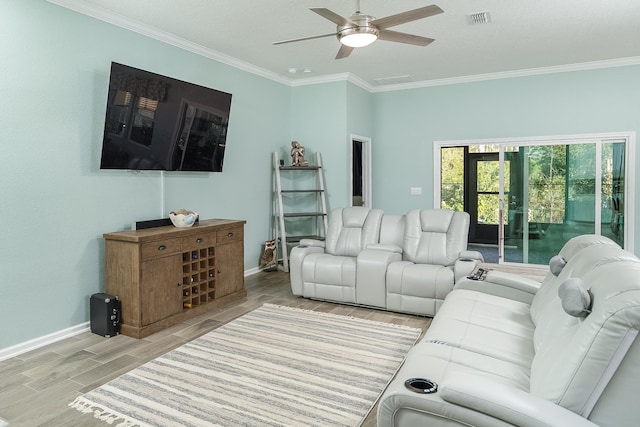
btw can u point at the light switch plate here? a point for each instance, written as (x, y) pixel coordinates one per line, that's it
(416, 191)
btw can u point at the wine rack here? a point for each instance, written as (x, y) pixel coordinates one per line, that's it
(198, 276)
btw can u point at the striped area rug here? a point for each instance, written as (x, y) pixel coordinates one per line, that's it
(274, 366)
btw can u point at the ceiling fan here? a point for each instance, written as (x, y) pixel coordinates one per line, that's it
(361, 30)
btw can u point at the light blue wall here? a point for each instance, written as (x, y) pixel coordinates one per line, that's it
(407, 122)
(56, 202)
(324, 116)
(319, 122)
(359, 111)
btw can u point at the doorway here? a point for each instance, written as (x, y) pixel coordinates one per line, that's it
(360, 171)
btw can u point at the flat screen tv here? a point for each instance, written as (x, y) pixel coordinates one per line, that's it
(155, 122)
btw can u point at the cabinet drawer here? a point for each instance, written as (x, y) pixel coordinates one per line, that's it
(197, 241)
(229, 235)
(160, 248)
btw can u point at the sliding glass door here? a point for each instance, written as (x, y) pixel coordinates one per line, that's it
(554, 201)
(526, 199)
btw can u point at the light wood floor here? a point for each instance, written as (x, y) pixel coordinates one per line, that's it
(36, 387)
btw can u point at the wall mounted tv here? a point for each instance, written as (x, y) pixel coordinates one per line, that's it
(157, 122)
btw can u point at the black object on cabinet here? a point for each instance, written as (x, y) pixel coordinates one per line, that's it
(105, 314)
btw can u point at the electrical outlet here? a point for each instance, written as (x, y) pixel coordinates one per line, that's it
(416, 191)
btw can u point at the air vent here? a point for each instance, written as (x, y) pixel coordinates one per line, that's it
(479, 18)
(392, 80)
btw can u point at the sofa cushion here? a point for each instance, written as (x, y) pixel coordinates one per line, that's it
(575, 364)
(485, 310)
(549, 288)
(556, 264)
(329, 277)
(435, 236)
(551, 315)
(417, 288)
(484, 324)
(392, 230)
(351, 229)
(575, 297)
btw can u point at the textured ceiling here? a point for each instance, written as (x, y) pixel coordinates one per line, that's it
(522, 35)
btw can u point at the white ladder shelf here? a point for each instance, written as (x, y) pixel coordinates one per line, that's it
(288, 212)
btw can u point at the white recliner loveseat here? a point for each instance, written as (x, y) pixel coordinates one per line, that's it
(405, 263)
(562, 353)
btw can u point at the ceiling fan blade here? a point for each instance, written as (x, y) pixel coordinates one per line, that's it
(408, 16)
(395, 36)
(344, 51)
(332, 16)
(304, 38)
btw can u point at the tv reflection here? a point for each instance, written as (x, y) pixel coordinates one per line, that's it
(155, 122)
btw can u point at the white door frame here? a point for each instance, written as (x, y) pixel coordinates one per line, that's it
(366, 169)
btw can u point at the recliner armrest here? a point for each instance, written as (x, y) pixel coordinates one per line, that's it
(383, 247)
(463, 267)
(505, 285)
(474, 255)
(505, 402)
(513, 281)
(296, 258)
(371, 268)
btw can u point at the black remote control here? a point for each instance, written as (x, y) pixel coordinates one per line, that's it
(477, 275)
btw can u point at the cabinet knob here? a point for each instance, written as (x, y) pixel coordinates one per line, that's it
(199, 240)
(162, 247)
(230, 234)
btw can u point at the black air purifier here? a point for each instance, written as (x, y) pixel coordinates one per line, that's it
(105, 314)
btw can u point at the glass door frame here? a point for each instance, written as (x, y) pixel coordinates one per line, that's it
(478, 232)
(629, 189)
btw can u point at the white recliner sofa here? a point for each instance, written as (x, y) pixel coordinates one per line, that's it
(405, 263)
(563, 353)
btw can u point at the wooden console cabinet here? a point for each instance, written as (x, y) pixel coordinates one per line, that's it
(165, 275)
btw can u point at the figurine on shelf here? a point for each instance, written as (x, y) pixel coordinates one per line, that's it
(297, 154)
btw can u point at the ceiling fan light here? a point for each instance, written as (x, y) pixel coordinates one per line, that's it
(358, 37)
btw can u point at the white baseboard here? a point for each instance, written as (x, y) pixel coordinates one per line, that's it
(18, 349)
(251, 271)
(35, 343)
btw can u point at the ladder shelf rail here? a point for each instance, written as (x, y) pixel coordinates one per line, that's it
(282, 233)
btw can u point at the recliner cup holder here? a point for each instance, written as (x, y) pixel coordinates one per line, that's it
(421, 385)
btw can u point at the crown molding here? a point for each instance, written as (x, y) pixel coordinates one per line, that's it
(146, 30)
(165, 37)
(582, 66)
(330, 78)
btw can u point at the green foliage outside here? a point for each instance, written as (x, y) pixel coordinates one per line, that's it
(452, 178)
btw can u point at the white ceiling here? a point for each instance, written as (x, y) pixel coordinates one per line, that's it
(522, 35)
